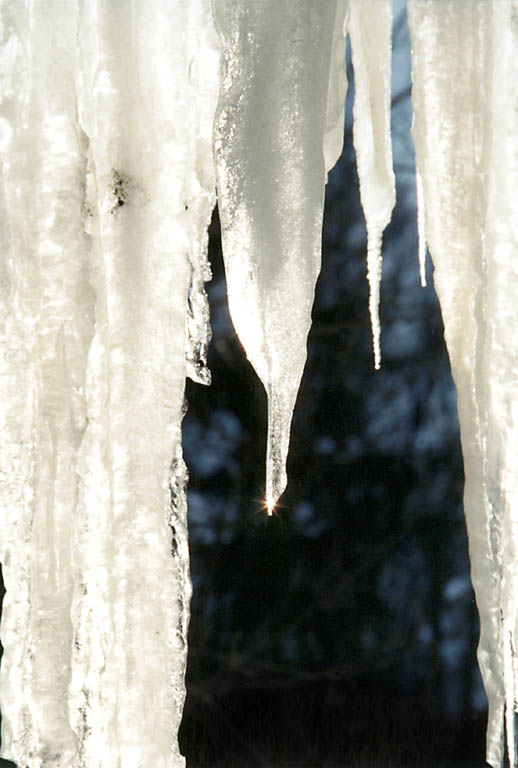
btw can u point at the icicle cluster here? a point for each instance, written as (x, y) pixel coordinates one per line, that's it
(278, 130)
(107, 184)
(107, 188)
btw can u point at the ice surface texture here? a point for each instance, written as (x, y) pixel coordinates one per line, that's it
(106, 188)
(278, 130)
(106, 191)
(465, 97)
(269, 135)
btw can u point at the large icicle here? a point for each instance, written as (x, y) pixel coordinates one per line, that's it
(107, 189)
(270, 129)
(465, 95)
(142, 97)
(370, 30)
(46, 329)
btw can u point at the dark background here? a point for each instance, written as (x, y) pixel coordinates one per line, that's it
(343, 631)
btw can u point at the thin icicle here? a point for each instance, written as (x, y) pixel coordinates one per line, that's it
(198, 317)
(421, 230)
(275, 110)
(203, 87)
(337, 89)
(370, 30)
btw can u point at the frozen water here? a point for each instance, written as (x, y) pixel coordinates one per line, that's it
(106, 198)
(370, 30)
(46, 329)
(465, 97)
(283, 91)
(106, 189)
(279, 119)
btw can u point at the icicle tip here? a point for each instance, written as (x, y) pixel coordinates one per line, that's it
(270, 503)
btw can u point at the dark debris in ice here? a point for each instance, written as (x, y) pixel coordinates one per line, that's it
(121, 186)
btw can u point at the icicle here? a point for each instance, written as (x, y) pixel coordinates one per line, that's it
(370, 30)
(203, 84)
(337, 89)
(139, 73)
(465, 75)
(46, 328)
(421, 230)
(106, 190)
(198, 320)
(275, 104)
(106, 195)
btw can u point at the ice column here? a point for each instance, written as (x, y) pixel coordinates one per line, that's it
(370, 30)
(47, 324)
(465, 96)
(106, 191)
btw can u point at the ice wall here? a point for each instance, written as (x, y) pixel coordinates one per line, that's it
(106, 191)
(465, 97)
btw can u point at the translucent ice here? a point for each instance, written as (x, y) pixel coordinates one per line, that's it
(46, 328)
(272, 121)
(106, 196)
(106, 189)
(370, 30)
(465, 75)
(337, 89)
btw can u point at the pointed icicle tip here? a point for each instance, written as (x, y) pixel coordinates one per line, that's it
(374, 264)
(279, 421)
(421, 232)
